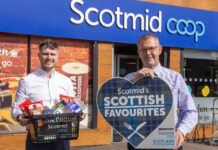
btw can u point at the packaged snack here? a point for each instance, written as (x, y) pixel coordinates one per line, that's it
(36, 108)
(67, 99)
(74, 107)
(79, 102)
(32, 108)
(23, 106)
(60, 107)
(46, 111)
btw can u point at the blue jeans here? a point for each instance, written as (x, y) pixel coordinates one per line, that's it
(130, 147)
(57, 145)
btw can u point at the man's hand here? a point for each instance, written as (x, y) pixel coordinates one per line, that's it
(83, 116)
(179, 139)
(144, 72)
(23, 119)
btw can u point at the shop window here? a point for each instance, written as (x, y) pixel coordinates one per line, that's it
(201, 74)
(201, 77)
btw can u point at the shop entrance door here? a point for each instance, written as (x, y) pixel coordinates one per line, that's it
(126, 64)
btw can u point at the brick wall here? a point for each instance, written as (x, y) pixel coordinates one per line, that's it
(13, 55)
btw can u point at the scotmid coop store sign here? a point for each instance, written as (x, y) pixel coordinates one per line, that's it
(121, 21)
(146, 23)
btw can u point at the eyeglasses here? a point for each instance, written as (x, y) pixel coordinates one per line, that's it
(150, 49)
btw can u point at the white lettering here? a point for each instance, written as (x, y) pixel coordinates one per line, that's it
(134, 17)
(134, 100)
(87, 16)
(118, 14)
(113, 101)
(101, 18)
(123, 100)
(132, 112)
(132, 91)
(159, 20)
(77, 12)
(6, 64)
(160, 100)
(145, 22)
(106, 101)
(3, 52)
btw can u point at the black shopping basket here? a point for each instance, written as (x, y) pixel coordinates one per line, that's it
(53, 127)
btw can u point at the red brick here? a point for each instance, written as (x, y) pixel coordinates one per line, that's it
(22, 45)
(34, 46)
(19, 61)
(35, 62)
(34, 68)
(34, 53)
(19, 70)
(6, 69)
(4, 58)
(65, 55)
(61, 62)
(11, 45)
(61, 48)
(10, 37)
(2, 75)
(22, 52)
(23, 38)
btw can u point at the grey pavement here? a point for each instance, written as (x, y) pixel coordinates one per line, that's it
(122, 146)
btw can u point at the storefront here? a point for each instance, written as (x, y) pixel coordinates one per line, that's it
(97, 41)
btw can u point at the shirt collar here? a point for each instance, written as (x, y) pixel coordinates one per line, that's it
(44, 73)
(157, 70)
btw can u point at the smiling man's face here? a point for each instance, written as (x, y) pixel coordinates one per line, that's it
(48, 58)
(149, 52)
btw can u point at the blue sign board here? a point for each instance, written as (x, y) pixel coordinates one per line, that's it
(142, 112)
(122, 21)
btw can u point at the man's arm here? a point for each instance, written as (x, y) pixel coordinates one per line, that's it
(188, 109)
(20, 97)
(188, 112)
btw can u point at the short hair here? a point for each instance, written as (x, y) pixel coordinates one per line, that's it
(48, 43)
(147, 36)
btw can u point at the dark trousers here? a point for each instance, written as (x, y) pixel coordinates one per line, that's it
(59, 145)
(130, 147)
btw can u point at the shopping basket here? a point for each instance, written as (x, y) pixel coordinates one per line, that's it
(53, 127)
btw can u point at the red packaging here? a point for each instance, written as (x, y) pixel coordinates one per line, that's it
(23, 106)
(36, 108)
(31, 107)
(67, 99)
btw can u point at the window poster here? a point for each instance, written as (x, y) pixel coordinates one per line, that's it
(13, 65)
(74, 62)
